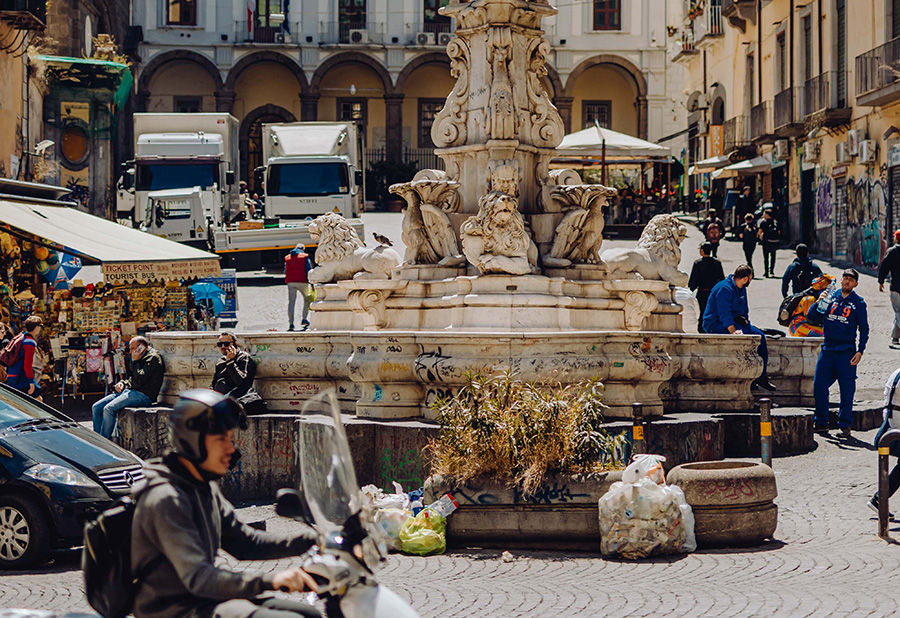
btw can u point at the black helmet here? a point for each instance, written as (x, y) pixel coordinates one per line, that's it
(198, 413)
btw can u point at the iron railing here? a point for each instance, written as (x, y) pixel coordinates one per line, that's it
(878, 67)
(825, 91)
(351, 33)
(37, 8)
(710, 24)
(761, 120)
(788, 106)
(736, 133)
(423, 158)
(684, 45)
(284, 34)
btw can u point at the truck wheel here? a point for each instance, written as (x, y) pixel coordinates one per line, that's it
(24, 532)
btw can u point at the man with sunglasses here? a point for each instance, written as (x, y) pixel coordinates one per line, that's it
(235, 373)
(182, 520)
(141, 388)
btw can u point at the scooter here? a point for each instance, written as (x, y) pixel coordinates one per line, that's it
(350, 547)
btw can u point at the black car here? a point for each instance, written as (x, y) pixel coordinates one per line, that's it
(54, 474)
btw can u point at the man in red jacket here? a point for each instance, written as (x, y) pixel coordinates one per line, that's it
(296, 266)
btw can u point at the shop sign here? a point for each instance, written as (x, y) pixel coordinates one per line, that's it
(838, 170)
(227, 281)
(132, 272)
(716, 140)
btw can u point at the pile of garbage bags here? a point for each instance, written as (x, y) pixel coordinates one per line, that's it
(641, 516)
(408, 526)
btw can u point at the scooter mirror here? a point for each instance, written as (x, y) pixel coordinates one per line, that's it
(289, 503)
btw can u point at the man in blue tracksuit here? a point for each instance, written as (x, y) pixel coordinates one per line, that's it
(845, 313)
(727, 312)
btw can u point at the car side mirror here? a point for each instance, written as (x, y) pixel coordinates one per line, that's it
(229, 177)
(358, 177)
(290, 504)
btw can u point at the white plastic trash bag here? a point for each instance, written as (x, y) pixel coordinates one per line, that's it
(641, 516)
(390, 521)
(686, 298)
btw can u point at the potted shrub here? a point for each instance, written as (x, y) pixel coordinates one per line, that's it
(381, 175)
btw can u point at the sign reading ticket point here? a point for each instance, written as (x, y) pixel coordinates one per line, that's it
(137, 272)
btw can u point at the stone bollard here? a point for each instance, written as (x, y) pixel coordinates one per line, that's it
(765, 430)
(637, 429)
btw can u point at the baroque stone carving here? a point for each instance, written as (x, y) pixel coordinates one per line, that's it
(342, 255)
(449, 128)
(427, 233)
(547, 127)
(638, 306)
(656, 256)
(505, 179)
(495, 241)
(580, 233)
(371, 303)
(502, 116)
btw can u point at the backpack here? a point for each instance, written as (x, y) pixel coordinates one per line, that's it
(9, 356)
(713, 232)
(804, 278)
(109, 584)
(789, 305)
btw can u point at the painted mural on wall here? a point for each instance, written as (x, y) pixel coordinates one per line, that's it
(824, 202)
(867, 200)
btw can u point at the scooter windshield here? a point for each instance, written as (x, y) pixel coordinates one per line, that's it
(328, 480)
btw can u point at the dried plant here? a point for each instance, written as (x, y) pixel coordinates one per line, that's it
(520, 432)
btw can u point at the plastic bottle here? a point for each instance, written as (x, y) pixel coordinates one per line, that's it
(444, 505)
(825, 298)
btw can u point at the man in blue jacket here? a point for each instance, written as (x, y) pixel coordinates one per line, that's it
(845, 313)
(727, 313)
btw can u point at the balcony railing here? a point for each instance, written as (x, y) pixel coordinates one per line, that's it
(26, 14)
(344, 33)
(284, 34)
(709, 26)
(878, 68)
(761, 122)
(826, 91)
(683, 47)
(736, 133)
(788, 108)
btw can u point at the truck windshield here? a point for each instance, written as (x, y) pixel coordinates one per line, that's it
(175, 175)
(300, 179)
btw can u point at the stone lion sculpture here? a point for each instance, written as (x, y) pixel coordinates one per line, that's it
(342, 255)
(494, 240)
(656, 256)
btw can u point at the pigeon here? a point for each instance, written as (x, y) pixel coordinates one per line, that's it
(382, 240)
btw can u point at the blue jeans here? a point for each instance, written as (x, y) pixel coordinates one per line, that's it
(106, 409)
(833, 366)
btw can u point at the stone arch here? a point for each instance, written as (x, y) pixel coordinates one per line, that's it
(626, 68)
(717, 104)
(274, 113)
(160, 60)
(419, 61)
(352, 57)
(266, 56)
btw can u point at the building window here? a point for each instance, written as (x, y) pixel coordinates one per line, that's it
(895, 19)
(434, 21)
(353, 109)
(188, 105)
(428, 109)
(596, 111)
(782, 63)
(182, 13)
(607, 15)
(74, 145)
(807, 48)
(841, 7)
(352, 12)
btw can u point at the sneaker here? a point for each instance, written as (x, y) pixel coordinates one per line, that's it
(845, 432)
(895, 343)
(763, 383)
(874, 506)
(822, 430)
(290, 328)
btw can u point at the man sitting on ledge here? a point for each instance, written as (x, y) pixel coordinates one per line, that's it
(727, 312)
(141, 389)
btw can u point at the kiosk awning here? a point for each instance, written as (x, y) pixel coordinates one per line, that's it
(125, 254)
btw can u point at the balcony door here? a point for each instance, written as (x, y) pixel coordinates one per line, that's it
(351, 16)
(264, 29)
(841, 26)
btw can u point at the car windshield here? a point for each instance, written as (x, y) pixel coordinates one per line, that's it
(304, 179)
(172, 175)
(15, 410)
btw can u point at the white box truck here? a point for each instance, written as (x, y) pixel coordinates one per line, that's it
(313, 168)
(184, 174)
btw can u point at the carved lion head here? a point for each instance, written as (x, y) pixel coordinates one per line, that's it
(337, 239)
(662, 237)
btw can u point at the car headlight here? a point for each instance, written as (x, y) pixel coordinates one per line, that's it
(61, 475)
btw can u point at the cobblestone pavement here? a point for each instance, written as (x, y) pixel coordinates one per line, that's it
(826, 561)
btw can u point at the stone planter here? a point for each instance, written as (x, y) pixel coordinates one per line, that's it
(562, 514)
(732, 501)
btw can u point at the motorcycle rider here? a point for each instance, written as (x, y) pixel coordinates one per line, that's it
(182, 520)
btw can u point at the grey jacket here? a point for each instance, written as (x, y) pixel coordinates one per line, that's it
(188, 521)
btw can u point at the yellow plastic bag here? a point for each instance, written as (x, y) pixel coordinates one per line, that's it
(425, 534)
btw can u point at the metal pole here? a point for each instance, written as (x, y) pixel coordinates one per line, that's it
(637, 429)
(884, 451)
(765, 430)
